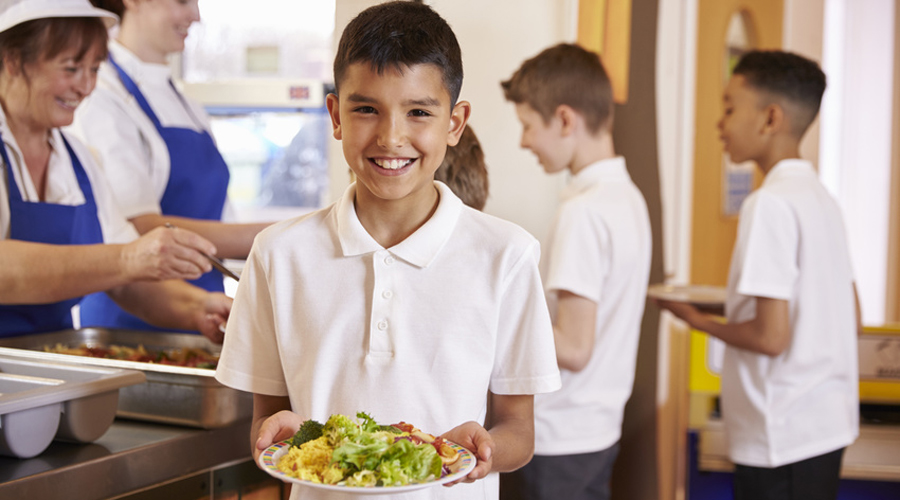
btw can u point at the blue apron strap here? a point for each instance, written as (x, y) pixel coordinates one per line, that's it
(12, 186)
(86, 189)
(136, 92)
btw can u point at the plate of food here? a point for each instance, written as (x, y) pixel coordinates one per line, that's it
(362, 457)
(701, 296)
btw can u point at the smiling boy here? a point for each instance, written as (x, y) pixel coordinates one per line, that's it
(397, 300)
(790, 401)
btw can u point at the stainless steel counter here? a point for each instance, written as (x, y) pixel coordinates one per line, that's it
(130, 456)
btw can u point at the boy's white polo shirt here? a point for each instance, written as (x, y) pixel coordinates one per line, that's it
(805, 402)
(419, 332)
(600, 248)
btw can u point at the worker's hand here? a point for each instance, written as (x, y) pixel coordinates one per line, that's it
(211, 318)
(274, 429)
(167, 253)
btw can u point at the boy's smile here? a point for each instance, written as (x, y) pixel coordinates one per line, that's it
(395, 128)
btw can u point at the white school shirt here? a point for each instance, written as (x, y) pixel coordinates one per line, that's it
(62, 185)
(419, 332)
(600, 248)
(804, 402)
(124, 140)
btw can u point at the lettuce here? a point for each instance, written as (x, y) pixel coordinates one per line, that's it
(368, 454)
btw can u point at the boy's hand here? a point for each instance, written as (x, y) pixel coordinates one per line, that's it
(278, 427)
(686, 312)
(478, 440)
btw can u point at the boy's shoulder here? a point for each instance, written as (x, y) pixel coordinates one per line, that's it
(306, 226)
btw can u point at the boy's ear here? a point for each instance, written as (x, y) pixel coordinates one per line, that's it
(775, 118)
(334, 111)
(459, 116)
(567, 119)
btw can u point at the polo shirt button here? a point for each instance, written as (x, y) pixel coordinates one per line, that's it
(388, 260)
(382, 325)
(387, 294)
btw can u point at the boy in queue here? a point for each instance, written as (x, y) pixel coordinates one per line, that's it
(397, 300)
(790, 393)
(596, 269)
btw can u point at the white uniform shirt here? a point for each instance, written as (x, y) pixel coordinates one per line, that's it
(600, 248)
(62, 185)
(803, 403)
(418, 332)
(124, 140)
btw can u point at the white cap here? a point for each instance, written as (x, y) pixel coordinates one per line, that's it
(15, 12)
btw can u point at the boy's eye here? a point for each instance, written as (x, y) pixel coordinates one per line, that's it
(419, 113)
(364, 109)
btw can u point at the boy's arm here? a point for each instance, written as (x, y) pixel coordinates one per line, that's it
(273, 421)
(768, 333)
(508, 445)
(574, 331)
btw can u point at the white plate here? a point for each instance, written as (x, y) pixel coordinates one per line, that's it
(272, 455)
(701, 295)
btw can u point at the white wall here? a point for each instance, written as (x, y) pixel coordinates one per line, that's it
(855, 150)
(676, 67)
(495, 37)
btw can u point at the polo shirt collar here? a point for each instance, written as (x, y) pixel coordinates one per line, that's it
(419, 249)
(789, 168)
(608, 170)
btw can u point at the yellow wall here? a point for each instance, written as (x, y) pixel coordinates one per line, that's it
(713, 234)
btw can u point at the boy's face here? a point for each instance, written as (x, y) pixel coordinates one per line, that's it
(743, 124)
(395, 128)
(545, 140)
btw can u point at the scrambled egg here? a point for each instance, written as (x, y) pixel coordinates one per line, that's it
(309, 461)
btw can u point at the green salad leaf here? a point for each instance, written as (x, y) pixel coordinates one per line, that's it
(369, 454)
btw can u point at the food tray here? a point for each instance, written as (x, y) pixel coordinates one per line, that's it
(40, 400)
(173, 394)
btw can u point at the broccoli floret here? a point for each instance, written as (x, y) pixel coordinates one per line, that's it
(308, 431)
(339, 427)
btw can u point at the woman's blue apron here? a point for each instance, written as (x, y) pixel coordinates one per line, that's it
(53, 224)
(197, 187)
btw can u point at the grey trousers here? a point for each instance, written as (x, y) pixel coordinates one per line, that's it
(564, 477)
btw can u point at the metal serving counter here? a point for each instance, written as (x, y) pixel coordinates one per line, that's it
(131, 456)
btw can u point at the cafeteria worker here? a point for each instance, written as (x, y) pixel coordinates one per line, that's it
(154, 144)
(61, 235)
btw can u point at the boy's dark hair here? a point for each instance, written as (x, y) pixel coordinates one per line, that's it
(397, 34)
(788, 76)
(464, 171)
(564, 74)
